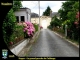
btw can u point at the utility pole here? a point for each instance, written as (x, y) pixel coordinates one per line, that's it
(35, 18)
(39, 14)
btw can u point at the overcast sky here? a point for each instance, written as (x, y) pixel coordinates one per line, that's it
(33, 5)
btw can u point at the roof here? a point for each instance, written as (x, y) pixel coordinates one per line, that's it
(33, 15)
(55, 13)
(27, 10)
(24, 9)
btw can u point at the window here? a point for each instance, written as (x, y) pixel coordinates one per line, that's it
(22, 18)
(17, 19)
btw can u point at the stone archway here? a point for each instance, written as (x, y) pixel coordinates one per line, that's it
(45, 21)
(44, 24)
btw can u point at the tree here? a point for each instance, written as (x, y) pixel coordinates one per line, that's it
(66, 7)
(47, 11)
(68, 13)
(9, 22)
(16, 5)
(55, 22)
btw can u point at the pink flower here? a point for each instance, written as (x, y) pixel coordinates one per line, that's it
(29, 28)
(25, 28)
(41, 27)
(11, 43)
(26, 22)
(76, 22)
(77, 15)
(28, 33)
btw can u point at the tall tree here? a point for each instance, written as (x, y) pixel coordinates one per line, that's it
(66, 7)
(47, 11)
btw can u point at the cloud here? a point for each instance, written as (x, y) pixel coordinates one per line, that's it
(34, 6)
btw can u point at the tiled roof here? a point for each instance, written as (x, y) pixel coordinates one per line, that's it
(33, 15)
(55, 13)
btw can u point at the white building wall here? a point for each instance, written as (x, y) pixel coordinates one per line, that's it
(29, 13)
(21, 13)
(35, 20)
(28, 17)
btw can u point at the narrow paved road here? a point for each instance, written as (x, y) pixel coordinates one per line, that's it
(51, 45)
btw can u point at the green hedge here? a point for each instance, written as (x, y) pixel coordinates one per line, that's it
(17, 35)
(36, 27)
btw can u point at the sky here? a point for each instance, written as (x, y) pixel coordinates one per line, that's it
(34, 6)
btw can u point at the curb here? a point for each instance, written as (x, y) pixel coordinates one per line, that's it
(66, 39)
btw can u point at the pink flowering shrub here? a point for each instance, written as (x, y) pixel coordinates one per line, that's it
(28, 29)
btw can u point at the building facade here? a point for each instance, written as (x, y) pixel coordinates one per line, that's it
(23, 15)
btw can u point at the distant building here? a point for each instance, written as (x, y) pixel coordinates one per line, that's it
(23, 15)
(35, 18)
(34, 15)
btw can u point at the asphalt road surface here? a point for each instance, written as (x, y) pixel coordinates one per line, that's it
(50, 45)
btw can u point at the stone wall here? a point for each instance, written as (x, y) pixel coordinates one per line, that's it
(36, 20)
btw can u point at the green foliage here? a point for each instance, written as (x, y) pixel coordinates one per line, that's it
(68, 16)
(50, 27)
(16, 5)
(36, 27)
(55, 22)
(66, 22)
(18, 32)
(9, 23)
(66, 7)
(47, 11)
(76, 5)
(68, 13)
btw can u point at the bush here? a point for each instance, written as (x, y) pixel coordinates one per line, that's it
(16, 36)
(28, 29)
(18, 33)
(36, 27)
(8, 26)
(50, 27)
